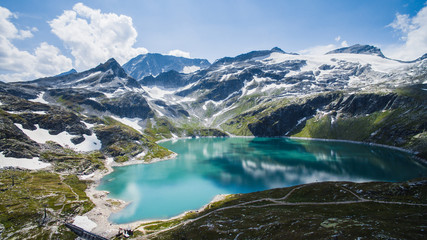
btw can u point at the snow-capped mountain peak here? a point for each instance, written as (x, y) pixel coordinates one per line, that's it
(67, 72)
(112, 64)
(249, 56)
(106, 77)
(154, 64)
(359, 49)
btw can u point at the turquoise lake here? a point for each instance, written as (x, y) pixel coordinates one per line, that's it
(206, 167)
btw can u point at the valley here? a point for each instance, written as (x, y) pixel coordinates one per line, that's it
(80, 123)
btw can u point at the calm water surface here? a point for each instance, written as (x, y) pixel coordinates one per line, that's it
(206, 167)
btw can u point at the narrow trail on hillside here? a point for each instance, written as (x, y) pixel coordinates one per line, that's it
(279, 202)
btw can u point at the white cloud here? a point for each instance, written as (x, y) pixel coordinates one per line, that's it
(179, 53)
(322, 49)
(413, 34)
(48, 57)
(94, 37)
(8, 30)
(17, 65)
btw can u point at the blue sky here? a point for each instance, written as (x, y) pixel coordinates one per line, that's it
(56, 35)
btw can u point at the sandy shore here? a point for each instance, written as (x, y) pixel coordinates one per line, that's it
(105, 206)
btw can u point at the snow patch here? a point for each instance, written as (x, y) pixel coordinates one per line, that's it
(354, 81)
(159, 113)
(40, 112)
(140, 156)
(186, 99)
(301, 120)
(252, 91)
(276, 86)
(86, 177)
(188, 86)
(156, 92)
(95, 74)
(84, 222)
(109, 95)
(216, 103)
(40, 135)
(374, 133)
(190, 69)
(223, 111)
(91, 143)
(225, 77)
(89, 125)
(314, 61)
(40, 99)
(35, 112)
(109, 161)
(131, 122)
(32, 164)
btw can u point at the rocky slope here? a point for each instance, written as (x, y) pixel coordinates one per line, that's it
(386, 118)
(28, 127)
(261, 76)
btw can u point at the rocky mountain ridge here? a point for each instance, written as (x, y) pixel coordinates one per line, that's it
(152, 64)
(359, 49)
(240, 95)
(107, 77)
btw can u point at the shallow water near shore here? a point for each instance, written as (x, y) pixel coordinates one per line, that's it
(206, 167)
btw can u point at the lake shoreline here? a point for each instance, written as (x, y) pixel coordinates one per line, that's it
(105, 206)
(303, 138)
(414, 153)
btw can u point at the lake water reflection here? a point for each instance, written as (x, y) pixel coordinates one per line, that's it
(206, 167)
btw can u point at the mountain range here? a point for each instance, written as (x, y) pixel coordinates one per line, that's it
(76, 123)
(260, 93)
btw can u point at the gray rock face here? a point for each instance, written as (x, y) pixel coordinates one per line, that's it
(391, 119)
(129, 105)
(359, 49)
(285, 119)
(13, 142)
(171, 80)
(15, 110)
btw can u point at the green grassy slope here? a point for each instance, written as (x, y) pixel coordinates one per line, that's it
(25, 194)
(329, 210)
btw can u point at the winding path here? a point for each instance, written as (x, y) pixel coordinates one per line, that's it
(279, 202)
